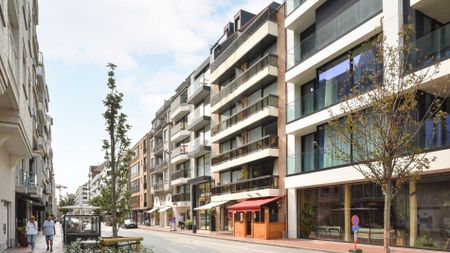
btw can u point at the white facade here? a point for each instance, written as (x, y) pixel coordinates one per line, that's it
(22, 108)
(306, 55)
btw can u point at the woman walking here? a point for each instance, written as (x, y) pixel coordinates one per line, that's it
(32, 231)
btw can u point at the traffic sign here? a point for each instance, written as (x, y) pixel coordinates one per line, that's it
(355, 228)
(355, 220)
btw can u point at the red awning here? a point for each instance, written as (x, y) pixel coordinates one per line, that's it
(252, 204)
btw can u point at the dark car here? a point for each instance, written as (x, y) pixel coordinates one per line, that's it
(129, 223)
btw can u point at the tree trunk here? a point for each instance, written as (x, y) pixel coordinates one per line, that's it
(387, 220)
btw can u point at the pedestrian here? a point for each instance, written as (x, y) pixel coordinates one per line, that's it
(49, 232)
(32, 231)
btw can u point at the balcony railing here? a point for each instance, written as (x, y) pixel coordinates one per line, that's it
(291, 5)
(433, 46)
(345, 22)
(199, 142)
(263, 103)
(255, 146)
(184, 173)
(159, 186)
(159, 166)
(197, 86)
(158, 147)
(196, 115)
(228, 47)
(259, 183)
(185, 196)
(181, 150)
(178, 127)
(181, 99)
(268, 60)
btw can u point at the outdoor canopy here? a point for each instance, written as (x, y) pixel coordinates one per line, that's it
(211, 205)
(153, 209)
(252, 204)
(165, 208)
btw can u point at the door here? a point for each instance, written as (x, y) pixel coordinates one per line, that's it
(248, 231)
(4, 223)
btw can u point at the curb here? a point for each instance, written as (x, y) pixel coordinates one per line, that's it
(249, 242)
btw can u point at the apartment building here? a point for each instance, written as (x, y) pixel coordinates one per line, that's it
(324, 44)
(24, 122)
(160, 189)
(140, 200)
(82, 195)
(180, 169)
(247, 197)
(97, 175)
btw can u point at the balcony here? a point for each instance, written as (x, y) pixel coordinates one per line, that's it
(198, 119)
(181, 197)
(259, 183)
(198, 90)
(159, 147)
(160, 166)
(179, 132)
(263, 71)
(337, 27)
(199, 146)
(158, 126)
(248, 37)
(179, 108)
(160, 186)
(180, 177)
(180, 154)
(263, 108)
(256, 150)
(433, 47)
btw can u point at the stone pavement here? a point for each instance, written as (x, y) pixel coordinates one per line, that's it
(40, 244)
(321, 245)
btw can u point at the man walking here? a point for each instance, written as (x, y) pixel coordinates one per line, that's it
(49, 232)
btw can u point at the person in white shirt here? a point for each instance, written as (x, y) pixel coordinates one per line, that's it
(32, 231)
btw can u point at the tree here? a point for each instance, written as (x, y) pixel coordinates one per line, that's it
(378, 128)
(68, 200)
(117, 155)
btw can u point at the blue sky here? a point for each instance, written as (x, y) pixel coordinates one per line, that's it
(156, 44)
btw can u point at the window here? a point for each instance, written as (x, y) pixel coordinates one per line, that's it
(134, 186)
(135, 170)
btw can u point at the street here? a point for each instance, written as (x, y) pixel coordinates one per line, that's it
(165, 242)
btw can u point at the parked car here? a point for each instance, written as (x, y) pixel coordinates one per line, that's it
(129, 223)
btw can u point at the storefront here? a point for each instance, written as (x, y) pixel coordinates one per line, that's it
(420, 214)
(257, 218)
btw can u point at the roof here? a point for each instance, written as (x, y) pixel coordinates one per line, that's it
(252, 204)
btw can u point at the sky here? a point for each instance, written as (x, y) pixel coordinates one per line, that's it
(156, 44)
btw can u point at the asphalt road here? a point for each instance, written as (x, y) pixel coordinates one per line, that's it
(165, 242)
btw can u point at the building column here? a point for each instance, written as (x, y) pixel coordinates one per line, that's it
(412, 213)
(347, 213)
(292, 213)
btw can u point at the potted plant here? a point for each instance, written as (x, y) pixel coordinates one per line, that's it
(306, 221)
(189, 224)
(22, 236)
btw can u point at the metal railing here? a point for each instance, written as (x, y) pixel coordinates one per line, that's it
(158, 147)
(157, 167)
(258, 145)
(183, 173)
(265, 102)
(159, 186)
(268, 60)
(346, 21)
(185, 196)
(228, 47)
(264, 182)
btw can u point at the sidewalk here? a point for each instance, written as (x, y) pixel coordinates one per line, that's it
(327, 246)
(40, 244)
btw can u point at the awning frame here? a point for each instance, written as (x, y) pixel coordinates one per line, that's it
(252, 205)
(211, 205)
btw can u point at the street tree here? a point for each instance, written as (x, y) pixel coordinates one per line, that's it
(114, 194)
(378, 127)
(68, 200)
